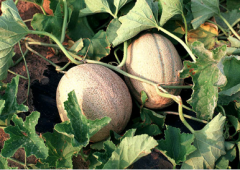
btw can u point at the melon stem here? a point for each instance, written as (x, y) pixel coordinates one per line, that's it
(124, 55)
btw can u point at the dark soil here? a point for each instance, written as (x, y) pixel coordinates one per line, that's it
(44, 81)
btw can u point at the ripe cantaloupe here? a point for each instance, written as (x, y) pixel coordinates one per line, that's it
(100, 92)
(153, 57)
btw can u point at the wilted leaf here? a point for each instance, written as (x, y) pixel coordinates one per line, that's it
(207, 34)
(77, 46)
(203, 10)
(97, 47)
(169, 9)
(129, 151)
(61, 150)
(141, 17)
(23, 135)
(8, 102)
(210, 145)
(38, 2)
(12, 30)
(79, 128)
(176, 146)
(205, 75)
(48, 23)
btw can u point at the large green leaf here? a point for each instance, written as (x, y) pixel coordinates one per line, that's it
(48, 23)
(61, 150)
(210, 145)
(97, 47)
(112, 28)
(8, 102)
(230, 67)
(23, 135)
(79, 128)
(141, 17)
(103, 6)
(176, 146)
(129, 151)
(203, 10)
(231, 16)
(169, 9)
(12, 30)
(233, 4)
(206, 79)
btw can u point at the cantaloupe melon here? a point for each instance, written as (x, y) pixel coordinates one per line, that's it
(153, 57)
(100, 92)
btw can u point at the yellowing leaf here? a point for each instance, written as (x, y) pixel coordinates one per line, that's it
(207, 34)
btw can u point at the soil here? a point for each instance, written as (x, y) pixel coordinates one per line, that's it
(44, 81)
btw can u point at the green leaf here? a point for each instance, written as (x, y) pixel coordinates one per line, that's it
(9, 105)
(103, 6)
(228, 66)
(4, 163)
(79, 128)
(12, 30)
(210, 145)
(48, 23)
(206, 77)
(234, 121)
(103, 157)
(61, 150)
(176, 146)
(141, 17)
(151, 130)
(169, 9)
(233, 4)
(97, 47)
(77, 46)
(203, 10)
(231, 16)
(38, 2)
(112, 28)
(234, 42)
(116, 138)
(129, 151)
(23, 135)
(223, 161)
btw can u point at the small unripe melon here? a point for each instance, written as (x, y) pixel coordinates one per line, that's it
(100, 92)
(153, 57)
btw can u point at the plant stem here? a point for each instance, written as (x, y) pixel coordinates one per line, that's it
(115, 54)
(64, 21)
(28, 20)
(222, 110)
(124, 73)
(64, 67)
(186, 29)
(180, 41)
(16, 2)
(20, 59)
(28, 75)
(43, 10)
(43, 44)
(186, 116)
(35, 52)
(230, 27)
(124, 55)
(176, 87)
(57, 42)
(221, 28)
(23, 77)
(178, 100)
